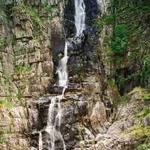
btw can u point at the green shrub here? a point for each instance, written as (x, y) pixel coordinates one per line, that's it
(105, 20)
(119, 42)
(6, 102)
(139, 131)
(31, 12)
(109, 19)
(143, 147)
(145, 75)
(144, 113)
(50, 9)
(23, 69)
(2, 140)
(2, 43)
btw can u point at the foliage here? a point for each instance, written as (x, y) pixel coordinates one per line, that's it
(78, 72)
(11, 99)
(50, 9)
(105, 20)
(6, 102)
(23, 69)
(109, 19)
(2, 15)
(129, 44)
(2, 140)
(139, 131)
(125, 99)
(144, 113)
(2, 43)
(143, 147)
(119, 41)
(31, 12)
(145, 74)
(144, 94)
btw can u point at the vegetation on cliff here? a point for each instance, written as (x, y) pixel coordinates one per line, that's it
(129, 42)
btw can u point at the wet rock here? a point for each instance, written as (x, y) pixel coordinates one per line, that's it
(54, 89)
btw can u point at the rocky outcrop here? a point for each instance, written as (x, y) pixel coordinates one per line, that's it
(116, 135)
(78, 117)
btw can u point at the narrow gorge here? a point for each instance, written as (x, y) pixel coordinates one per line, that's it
(74, 75)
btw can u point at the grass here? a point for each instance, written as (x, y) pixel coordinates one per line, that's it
(144, 113)
(23, 69)
(143, 147)
(2, 43)
(31, 12)
(139, 131)
(6, 102)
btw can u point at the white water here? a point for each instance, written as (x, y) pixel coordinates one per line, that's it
(62, 69)
(40, 141)
(55, 109)
(54, 121)
(79, 17)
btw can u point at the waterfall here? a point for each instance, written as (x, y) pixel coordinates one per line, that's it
(54, 122)
(62, 69)
(40, 141)
(79, 17)
(55, 111)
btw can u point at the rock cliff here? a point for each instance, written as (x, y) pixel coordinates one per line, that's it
(99, 112)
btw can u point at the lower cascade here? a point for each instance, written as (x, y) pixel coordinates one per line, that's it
(55, 109)
(54, 122)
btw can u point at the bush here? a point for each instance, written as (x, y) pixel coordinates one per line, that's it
(139, 131)
(2, 43)
(143, 147)
(31, 12)
(23, 69)
(145, 75)
(119, 42)
(144, 113)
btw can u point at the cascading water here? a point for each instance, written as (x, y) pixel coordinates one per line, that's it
(54, 122)
(55, 109)
(79, 17)
(40, 141)
(62, 69)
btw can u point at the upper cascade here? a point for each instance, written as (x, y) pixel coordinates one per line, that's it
(79, 17)
(62, 69)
